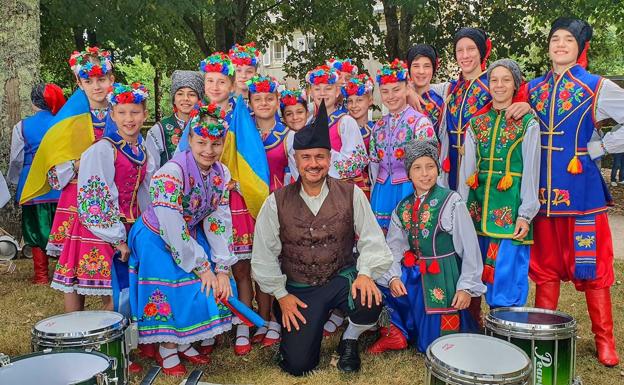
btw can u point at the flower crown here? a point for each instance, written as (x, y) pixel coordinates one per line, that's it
(343, 65)
(392, 72)
(135, 93)
(217, 62)
(322, 75)
(358, 85)
(292, 97)
(92, 62)
(260, 83)
(247, 54)
(208, 130)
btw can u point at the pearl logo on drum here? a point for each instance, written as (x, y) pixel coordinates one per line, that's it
(539, 362)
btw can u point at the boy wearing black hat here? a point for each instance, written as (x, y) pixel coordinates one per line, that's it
(422, 63)
(303, 255)
(569, 101)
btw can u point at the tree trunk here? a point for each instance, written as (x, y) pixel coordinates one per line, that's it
(19, 55)
(157, 93)
(392, 29)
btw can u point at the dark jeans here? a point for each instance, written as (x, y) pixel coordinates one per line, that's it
(617, 169)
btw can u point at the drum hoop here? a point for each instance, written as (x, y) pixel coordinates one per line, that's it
(42, 353)
(85, 341)
(102, 335)
(531, 331)
(439, 367)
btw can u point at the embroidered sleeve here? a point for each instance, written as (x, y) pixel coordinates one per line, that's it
(98, 206)
(423, 129)
(352, 157)
(166, 190)
(60, 175)
(218, 230)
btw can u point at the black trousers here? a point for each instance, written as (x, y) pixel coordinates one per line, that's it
(301, 349)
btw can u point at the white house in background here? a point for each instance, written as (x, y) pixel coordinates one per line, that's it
(276, 53)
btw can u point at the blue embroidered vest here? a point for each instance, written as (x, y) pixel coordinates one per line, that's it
(570, 182)
(434, 108)
(33, 129)
(465, 100)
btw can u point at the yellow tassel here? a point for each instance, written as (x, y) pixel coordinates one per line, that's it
(473, 181)
(505, 183)
(575, 166)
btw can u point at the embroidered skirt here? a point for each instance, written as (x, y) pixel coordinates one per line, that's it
(36, 223)
(64, 219)
(408, 314)
(242, 226)
(166, 301)
(385, 197)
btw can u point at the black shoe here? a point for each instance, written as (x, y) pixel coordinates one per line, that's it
(349, 360)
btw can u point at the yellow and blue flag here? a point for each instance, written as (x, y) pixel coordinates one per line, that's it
(70, 134)
(244, 156)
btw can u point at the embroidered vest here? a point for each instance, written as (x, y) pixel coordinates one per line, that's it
(33, 130)
(570, 182)
(277, 155)
(316, 247)
(170, 132)
(439, 265)
(389, 137)
(334, 129)
(199, 197)
(434, 108)
(494, 197)
(465, 100)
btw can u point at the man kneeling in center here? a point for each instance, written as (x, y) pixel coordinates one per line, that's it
(303, 255)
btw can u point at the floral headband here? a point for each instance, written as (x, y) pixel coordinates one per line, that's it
(208, 130)
(259, 84)
(358, 85)
(217, 62)
(343, 65)
(135, 93)
(392, 72)
(292, 97)
(83, 65)
(246, 54)
(322, 75)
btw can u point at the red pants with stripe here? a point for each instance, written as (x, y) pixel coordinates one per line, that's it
(552, 254)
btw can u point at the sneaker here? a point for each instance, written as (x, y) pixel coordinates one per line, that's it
(614, 184)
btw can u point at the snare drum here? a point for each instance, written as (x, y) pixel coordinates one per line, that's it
(470, 359)
(548, 337)
(58, 368)
(103, 331)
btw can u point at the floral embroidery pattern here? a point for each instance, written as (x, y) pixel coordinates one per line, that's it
(508, 134)
(567, 92)
(173, 134)
(158, 308)
(93, 264)
(216, 226)
(166, 191)
(585, 242)
(63, 270)
(62, 231)
(95, 204)
(437, 295)
(502, 217)
(475, 211)
(53, 179)
(541, 99)
(561, 197)
(425, 220)
(482, 130)
(353, 165)
(186, 234)
(472, 95)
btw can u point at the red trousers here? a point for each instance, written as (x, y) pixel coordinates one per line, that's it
(552, 254)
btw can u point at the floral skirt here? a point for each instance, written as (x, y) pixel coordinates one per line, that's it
(85, 264)
(64, 219)
(385, 198)
(166, 301)
(242, 226)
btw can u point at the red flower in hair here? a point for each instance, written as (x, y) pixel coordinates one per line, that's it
(212, 108)
(96, 71)
(72, 61)
(263, 87)
(289, 100)
(352, 88)
(323, 79)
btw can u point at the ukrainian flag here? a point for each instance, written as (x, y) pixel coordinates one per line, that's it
(244, 156)
(70, 134)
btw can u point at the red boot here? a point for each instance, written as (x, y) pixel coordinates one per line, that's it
(547, 295)
(599, 308)
(135, 367)
(148, 350)
(40, 265)
(391, 339)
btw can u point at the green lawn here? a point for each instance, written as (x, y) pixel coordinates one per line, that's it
(23, 304)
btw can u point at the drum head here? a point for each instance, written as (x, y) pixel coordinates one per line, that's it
(79, 322)
(56, 368)
(536, 322)
(478, 355)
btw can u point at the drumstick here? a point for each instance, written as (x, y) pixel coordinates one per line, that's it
(194, 378)
(151, 375)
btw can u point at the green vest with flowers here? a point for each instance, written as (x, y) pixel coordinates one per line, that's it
(494, 196)
(431, 248)
(171, 132)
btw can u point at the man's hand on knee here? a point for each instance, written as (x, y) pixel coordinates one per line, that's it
(369, 291)
(290, 304)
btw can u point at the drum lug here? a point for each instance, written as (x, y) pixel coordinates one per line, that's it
(131, 336)
(102, 379)
(4, 360)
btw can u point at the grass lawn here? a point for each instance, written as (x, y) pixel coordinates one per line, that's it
(22, 304)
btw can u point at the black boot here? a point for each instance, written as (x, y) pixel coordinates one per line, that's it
(349, 360)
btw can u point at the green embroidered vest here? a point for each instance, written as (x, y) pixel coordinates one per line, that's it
(439, 265)
(494, 196)
(171, 133)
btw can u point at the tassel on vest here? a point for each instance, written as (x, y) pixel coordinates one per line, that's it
(446, 165)
(575, 166)
(505, 183)
(488, 274)
(473, 181)
(434, 267)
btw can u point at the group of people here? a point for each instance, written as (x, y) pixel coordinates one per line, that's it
(464, 188)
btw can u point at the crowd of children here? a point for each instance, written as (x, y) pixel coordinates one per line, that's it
(478, 183)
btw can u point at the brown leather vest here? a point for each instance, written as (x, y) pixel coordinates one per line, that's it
(316, 248)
